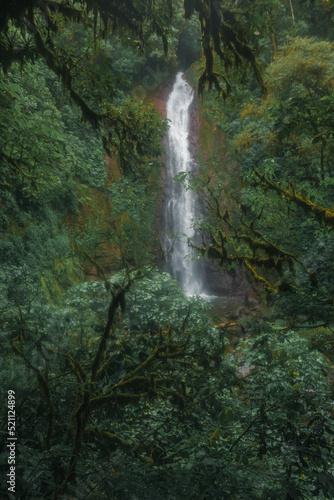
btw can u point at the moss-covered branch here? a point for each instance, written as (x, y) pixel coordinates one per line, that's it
(322, 215)
(117, 301)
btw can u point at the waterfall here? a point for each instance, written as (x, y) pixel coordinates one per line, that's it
(181, 205)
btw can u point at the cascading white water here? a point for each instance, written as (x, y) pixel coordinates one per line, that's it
(181, 205)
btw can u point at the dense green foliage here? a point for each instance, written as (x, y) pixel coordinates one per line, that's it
(167, 414)
(124, 387)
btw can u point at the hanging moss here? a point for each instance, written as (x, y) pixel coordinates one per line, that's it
(224, 39)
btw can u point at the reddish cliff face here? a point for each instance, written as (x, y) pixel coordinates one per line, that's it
(160, 105)
(95, 211)
(160, 96)
(96, 207)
